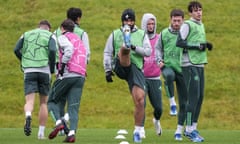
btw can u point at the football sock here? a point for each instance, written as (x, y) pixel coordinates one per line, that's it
(28, 113)
(194, 126)
(189, 128)
(66, 116)
(172, 101)
(58, 122)
(137, 128)
(41, 130)
(179, 129)
(71, 132)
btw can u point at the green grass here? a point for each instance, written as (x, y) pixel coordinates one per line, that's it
(107, 136)
(109, 106)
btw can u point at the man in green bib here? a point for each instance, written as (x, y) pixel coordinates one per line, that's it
(124, 52)
(192, 38)
(169, 57)
(36, 50)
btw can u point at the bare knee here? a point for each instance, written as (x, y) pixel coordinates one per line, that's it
(124, 57)
(138, 96)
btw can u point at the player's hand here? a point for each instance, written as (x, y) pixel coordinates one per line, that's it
(61, 71)
(209, 46)
(109, 75)
(161, 64)
(133, 47)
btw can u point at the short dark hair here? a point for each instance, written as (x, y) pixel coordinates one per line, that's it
(194, 4)
(177, 12)
(68, 25)
(44, 22)
(74, 13)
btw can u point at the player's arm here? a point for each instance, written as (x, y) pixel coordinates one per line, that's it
(67, 48)
(18, 47)
(108, 54)
(85, 40)
(159, 50)
(107, 58)
(182, 38)
(52, 53)
(145, 50)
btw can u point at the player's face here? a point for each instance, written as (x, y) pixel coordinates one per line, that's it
(196, 14)
(176, 22)
(129, 22)
(150, 25)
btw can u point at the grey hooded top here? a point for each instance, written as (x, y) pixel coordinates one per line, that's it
(145, 19)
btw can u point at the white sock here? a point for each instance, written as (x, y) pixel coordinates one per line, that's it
(179, 129)
(156, 121)
(189, 128)
(58, 122)
(194, 125)
(137, 128)
(66, 117)
(142, 129)
(172, 101)
(71, 132)
(41, 130)
(28, 113)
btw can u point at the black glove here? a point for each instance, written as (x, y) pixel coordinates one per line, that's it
(61, 71)
(109, 75)
(209, 46)
(202, 46)
(57, 65)
(133, 47)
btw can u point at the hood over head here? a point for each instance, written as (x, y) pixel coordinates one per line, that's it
(145, 19)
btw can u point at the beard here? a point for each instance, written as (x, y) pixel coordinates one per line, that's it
(150, 32)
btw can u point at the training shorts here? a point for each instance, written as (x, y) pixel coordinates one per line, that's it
(132, 74)
(36, 82)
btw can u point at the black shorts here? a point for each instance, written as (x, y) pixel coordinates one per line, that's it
(36, 82)
(132, 74)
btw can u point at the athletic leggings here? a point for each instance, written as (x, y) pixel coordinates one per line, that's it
(194, 78)
(170, 76)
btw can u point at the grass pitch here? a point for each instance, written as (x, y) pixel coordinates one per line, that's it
(107, 136)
